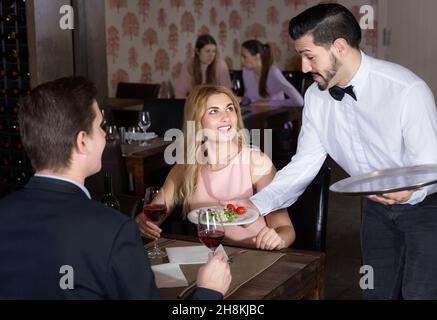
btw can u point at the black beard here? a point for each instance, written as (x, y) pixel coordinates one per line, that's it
(335, 65)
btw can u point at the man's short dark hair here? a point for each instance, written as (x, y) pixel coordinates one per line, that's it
(326, 23)
(50, 118)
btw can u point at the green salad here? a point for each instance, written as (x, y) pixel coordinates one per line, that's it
(224, 215)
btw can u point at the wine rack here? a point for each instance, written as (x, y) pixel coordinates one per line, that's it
(15, 168)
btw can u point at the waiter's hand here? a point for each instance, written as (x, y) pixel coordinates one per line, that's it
(393, 198)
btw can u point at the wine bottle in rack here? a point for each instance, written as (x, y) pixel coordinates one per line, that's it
(14, 127)
(14, 91)
(5, 160)
(2, 124)
(15, 109)
(11, 55)
(17, 160)
(5, 144)
(18, 177)
(13, 73)
(17, 144)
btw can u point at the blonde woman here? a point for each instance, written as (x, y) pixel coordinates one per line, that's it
(204, 68)
(225, 170)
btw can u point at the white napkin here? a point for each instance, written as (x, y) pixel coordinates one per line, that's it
(140, 136)
(191, 254)
(169, 275)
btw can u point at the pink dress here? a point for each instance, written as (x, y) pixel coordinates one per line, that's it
(226, 186)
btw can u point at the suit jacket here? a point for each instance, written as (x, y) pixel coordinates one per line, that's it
(50, 224)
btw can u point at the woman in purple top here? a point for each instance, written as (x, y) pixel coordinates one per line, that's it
(264, 83)
(204, 68)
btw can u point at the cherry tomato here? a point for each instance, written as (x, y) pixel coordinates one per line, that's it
(241, 210)
(230, 207)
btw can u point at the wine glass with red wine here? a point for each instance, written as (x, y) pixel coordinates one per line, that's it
(155, 210)
(210, 229)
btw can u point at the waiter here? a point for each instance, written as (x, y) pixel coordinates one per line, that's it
(368, 115)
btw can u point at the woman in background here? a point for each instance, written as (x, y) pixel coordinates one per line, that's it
(264, 83)
(230, 171)
(204, 68)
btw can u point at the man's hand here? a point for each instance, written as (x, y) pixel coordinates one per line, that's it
(268, 239)
(147, 228)
(216, 274)
(393, 198)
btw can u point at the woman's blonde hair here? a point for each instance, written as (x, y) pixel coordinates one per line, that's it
(195, 108)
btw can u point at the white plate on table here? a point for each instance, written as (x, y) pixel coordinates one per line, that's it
(249, 217)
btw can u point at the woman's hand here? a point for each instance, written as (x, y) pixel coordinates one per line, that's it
(147, 228)
(268, 239)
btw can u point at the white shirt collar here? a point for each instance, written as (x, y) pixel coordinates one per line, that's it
(85, 190)
(359, 79)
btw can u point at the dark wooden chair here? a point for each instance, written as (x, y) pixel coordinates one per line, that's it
(299, 80)
(309, 213)
(130, 90)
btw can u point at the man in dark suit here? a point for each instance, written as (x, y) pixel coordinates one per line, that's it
(57, 243)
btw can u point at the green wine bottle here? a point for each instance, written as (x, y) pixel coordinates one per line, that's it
(109, 198)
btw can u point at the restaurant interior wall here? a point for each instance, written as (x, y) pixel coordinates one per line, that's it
(148, 40)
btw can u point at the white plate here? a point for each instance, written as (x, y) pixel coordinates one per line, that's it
(249, 217)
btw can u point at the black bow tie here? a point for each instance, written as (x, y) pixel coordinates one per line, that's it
(338, 93)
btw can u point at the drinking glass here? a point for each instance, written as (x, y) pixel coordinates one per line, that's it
(130, 135)
(210, 229)
(112, 133)
(144, 123)
(155, 210)
(104, 120)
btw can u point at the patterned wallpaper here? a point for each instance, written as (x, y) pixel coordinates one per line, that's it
(148, 40)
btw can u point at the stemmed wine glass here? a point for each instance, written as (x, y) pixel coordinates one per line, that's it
(130, 134)
(104, 121)
(210, 229)
(144, 123)
(155, 210)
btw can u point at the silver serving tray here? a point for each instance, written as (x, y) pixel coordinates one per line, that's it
(387, 181)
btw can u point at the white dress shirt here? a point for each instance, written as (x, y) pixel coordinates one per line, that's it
(393, 124)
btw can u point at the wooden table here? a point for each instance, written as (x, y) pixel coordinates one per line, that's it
(141, 161)
(124, 104)
(297, 275)
(261, 117)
